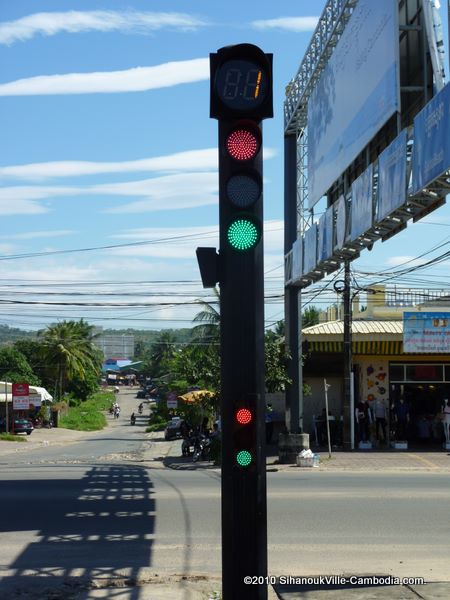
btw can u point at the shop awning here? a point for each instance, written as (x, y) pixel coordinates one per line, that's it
(368, 337)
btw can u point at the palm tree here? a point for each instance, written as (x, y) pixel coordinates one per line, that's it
(69, 351)
(163, 350)
(209, 317)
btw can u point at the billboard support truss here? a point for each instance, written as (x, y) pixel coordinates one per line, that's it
(415, 89)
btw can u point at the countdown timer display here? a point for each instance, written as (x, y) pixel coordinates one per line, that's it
(241, 84)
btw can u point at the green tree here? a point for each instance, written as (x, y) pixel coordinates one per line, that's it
(70, 353)
(15, 368)
(197, 366)
(32, 350)
(162, 351)
(209, 319)
(275, 361)
(310, 316)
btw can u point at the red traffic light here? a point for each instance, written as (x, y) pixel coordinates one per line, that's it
(244, 416)
(242, 144)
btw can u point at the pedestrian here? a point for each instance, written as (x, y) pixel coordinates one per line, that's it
(363, 420)
(401, 416)
(269, 423)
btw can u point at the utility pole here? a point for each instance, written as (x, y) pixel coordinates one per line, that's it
(347, 358)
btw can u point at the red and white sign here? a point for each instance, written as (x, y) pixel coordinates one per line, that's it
(21, 396)
(171, 400)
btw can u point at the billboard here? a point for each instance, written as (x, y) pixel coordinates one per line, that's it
(340, 210)
(297, 258)
(362, 204)
(431, 151)
(355, 95)
(392, 177)
(325, 243)
(310, 249)
(426, 332)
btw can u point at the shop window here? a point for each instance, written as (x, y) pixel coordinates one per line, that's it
(397, 373)
(424, 372)
(447, 372)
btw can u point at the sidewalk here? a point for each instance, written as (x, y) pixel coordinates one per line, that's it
(364, 461)
(356, 461)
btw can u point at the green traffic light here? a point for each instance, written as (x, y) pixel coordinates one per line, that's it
(243, 234)
(244, 458)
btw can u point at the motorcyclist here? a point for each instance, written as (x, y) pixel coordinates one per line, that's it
(140, 408)
(133, 418)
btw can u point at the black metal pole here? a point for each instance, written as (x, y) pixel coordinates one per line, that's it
(294, 398)
(347, 358)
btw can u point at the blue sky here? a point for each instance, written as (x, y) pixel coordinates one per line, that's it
(107, 141)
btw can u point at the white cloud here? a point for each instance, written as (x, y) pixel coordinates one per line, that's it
(179, 161)
(410, 261)
(52, 23)
(168, 192)
(274, 236)
(296, 24)
(197, 160)
(168, 242)
(30, 235)
(20, 206)
(137, 79)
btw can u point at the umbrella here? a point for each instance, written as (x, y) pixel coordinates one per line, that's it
(196, 396)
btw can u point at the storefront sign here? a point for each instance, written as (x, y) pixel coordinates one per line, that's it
(21, 396)
(426, 332)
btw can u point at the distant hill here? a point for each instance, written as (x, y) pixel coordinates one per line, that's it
(148, 336)
(9, 335)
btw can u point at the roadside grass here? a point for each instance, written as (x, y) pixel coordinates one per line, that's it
(155, 427)
(9, 437)
(88, 416)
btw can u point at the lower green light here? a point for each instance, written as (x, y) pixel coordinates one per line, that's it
(243, 234)
(244, 458)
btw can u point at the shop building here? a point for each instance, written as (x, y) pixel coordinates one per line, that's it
(382, 374)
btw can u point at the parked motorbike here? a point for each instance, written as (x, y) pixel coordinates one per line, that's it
(202, 447)
(188, 442)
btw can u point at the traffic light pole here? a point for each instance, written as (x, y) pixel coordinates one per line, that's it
(241, 97)
(244, 520)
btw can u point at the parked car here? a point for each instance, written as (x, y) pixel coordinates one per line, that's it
(173, 429)
(20, 426)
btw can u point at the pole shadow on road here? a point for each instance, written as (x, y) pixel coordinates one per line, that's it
(102, 528)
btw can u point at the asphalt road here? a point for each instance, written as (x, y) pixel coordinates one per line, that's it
(95, 510)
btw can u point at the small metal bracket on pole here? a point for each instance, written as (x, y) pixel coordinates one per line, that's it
(326, 386)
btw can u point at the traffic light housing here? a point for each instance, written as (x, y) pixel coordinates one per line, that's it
(241, 97)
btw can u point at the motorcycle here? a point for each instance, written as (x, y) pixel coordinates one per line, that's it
(132, 420)
(202, 447)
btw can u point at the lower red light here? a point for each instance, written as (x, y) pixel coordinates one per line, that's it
(244, 416)
(242, 144)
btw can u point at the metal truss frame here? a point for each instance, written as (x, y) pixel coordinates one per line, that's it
(325, 38)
